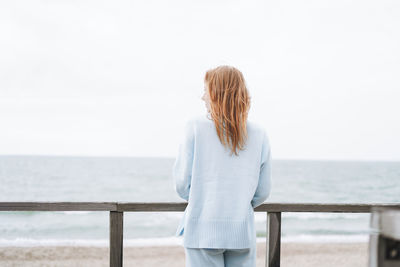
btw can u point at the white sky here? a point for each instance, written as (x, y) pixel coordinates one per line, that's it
(120, 78)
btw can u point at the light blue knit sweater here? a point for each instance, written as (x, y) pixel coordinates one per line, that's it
(221, 189)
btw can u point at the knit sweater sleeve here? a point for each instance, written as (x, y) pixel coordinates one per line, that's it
(182, 168)
(264, 182)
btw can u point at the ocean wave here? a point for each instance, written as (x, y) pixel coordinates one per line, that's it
(172, 241)
(74, 212)
(325, 238)
(29, 242)
(323, 215)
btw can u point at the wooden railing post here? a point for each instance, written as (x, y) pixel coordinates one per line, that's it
(273, 246)
(116, 238)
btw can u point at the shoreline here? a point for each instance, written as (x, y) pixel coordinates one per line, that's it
(292, 254)
(170, 241)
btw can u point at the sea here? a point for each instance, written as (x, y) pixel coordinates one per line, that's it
(140, 179)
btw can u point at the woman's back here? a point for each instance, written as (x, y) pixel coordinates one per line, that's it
(222, 188)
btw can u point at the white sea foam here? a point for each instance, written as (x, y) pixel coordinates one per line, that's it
(325, 238)
(259, 216)
(171, 241)
(323, 215)
(74, 212)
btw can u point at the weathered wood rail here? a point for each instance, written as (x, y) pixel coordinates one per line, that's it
(117, 209)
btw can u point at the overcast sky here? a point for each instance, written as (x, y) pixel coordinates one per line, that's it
(120, 78)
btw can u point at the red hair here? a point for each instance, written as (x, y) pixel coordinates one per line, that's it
(229, 105)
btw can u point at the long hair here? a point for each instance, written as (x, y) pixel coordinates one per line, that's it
(229, 105)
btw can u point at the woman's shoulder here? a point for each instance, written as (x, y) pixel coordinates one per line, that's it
(199, 119)
(256, 127)
(205, 120)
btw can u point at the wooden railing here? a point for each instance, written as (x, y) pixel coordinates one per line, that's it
(117, 209)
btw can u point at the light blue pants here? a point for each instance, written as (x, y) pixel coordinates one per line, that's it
(215, 257)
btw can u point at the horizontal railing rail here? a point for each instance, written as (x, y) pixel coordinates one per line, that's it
(117, 209)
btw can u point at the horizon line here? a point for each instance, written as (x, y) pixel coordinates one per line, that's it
(173, 157)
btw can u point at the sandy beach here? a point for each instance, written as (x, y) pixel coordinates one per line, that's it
(292, 254)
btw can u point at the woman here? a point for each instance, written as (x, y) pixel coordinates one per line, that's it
(223, 170)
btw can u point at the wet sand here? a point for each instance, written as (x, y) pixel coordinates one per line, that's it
(292, 254)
